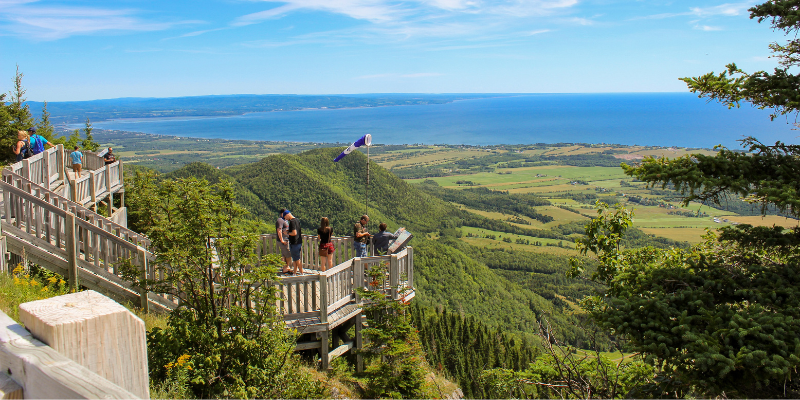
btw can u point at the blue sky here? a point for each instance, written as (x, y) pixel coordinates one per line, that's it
(82, 50)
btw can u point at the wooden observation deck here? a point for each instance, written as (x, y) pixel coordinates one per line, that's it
(50, 220)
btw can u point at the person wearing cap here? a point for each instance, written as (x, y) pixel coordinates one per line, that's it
(37, 141)
(361, 236)
(282, 230)
(295, 240)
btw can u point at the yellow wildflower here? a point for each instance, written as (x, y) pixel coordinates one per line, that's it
(34, 283)
(183, 359)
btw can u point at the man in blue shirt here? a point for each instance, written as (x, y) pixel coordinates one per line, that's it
(37, 141)
(77, 161)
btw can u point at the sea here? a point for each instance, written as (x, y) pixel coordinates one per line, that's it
(648, 119)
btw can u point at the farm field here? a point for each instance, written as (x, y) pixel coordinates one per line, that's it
(493, 239)
(575, 187)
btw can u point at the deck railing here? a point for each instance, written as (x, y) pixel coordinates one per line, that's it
(317, 294)
(43, 168)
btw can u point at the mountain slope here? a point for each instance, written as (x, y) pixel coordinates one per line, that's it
(447, 275)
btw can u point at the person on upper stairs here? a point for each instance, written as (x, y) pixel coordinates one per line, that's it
(22, 147)
(77, 162)
(38, 141)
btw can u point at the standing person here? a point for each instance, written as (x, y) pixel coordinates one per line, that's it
(109, 157)
(37, 141)
(282, 230)
(22, 148)
(382, 239)
(325, 232)
(361, 236)
(77, 161)
(295, 240)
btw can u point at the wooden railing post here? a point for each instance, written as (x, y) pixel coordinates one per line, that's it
(410, 264)
(72, 250)
(60, 162)
(46, 170)
(74, 187)
(93, 188)
(358, 277)
(323, 298)
(26, 169)
(142, 258)
(359, 344)
(394, 276)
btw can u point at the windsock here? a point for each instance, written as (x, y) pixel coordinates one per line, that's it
(365, 140)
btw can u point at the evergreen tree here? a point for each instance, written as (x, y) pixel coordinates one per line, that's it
(19, 111)
(43, 126)
(395, 358)
(15, 116)
(88, 143)
(722, 318)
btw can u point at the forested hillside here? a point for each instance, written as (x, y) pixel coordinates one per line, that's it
(450, 272)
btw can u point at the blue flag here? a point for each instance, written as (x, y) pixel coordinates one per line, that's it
(365, 140)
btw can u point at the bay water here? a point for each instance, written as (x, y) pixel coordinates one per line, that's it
(653, 119)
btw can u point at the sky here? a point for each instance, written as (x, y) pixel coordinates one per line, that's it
(84, 50)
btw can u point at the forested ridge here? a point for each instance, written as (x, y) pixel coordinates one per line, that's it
(450, 274)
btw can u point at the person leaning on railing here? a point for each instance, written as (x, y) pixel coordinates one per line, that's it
(361, 236)
(382, 239)
(109, 157)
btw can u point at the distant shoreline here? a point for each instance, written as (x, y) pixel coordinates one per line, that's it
(76, 125)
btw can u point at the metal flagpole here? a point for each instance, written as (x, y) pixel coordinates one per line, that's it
(366, 206)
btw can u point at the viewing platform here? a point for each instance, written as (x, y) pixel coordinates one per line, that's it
(52, 220)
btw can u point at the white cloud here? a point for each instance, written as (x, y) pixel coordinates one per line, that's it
(707, 28)
(402, 76)
(25, 18)
(727, 9)
(382, 11)
(724, 10)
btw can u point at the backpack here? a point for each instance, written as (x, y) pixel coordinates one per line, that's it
(38, 145)
(25, 150)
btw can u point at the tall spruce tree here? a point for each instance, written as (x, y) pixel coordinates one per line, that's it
(16, 116)
(43, 125)
(88, 143)
(721, 319)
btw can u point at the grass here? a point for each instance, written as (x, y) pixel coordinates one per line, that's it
(20, 287)
(479, 239)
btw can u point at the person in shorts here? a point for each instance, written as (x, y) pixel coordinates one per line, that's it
(324, 232)
(295, 241)
(77, 162)
(282, 230)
